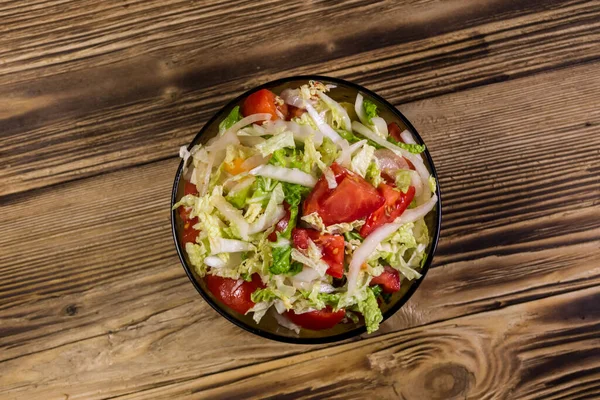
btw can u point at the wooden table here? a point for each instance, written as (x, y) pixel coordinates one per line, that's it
(97, 96)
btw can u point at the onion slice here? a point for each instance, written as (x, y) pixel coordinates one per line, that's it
(286, 323)
(360, 110)
(347, 152)
(322, 125)
(264, 221)
(380, 125)
(220, 245)
(292, 97)
(339, 109)
(413, 214)
(214, 262)
(290, 175)
(250, 119)
(407, 137)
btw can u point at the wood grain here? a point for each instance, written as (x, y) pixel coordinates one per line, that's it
(113, 296)
(95, 98)
(151, 92)
(518, 352)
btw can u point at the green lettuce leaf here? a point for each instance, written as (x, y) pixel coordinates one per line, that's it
(238, 199)
(277, 142)
(267, 294)
(233, 117)
(370, 109)
(432, 184)
(411, 148)
(197, 253)
(281, 260)
(371, 311)
(373, 174)
(403, 179)
(289, 158)
(329, 151)
(349, 136)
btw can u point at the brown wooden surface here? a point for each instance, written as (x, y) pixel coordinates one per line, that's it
(96, 97)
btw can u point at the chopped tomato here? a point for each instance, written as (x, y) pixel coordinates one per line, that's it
(394, 131)
(294, 112)
(262, 101)
(189, 233)
(389, 280)
(395, 204)
(317, 320)
(236, 298)
(189, 188)
(282, 224)
(331, 246)
(235, 166)
(354, 198)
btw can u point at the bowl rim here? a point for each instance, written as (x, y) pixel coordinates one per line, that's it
(340, 336)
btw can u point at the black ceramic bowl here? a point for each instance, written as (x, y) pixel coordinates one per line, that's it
(268, 327)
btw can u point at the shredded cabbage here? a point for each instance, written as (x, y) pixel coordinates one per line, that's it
(361, 161)
(283, 140)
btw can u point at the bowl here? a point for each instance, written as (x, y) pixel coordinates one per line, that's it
(268, 326)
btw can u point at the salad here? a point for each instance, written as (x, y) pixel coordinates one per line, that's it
(307, 208)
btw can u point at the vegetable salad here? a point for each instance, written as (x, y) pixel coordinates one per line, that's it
(306, 208)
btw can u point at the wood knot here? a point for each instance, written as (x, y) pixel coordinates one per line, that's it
(447, 381)
(71, 310)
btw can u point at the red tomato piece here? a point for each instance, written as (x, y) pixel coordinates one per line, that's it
(189, 188)
(389, 280)
(237, 299)
(294, 112)
(395, 204)
(394, 131)
(190, 234)
(262, 101)
(354, 198)
(282, 224)
(331, 246)
(317, 320)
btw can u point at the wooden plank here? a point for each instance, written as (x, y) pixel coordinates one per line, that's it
(548, 350)
(104, 308)
(75, 120)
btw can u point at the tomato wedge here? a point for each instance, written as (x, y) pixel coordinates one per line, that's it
(282, 224)
(189, 188)
(236, 298)
(354, 198)
(395, 204)
(394, 131)
(189, 233)
(262, 101)
(317, 320)
(332, 248)
(389, 280)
